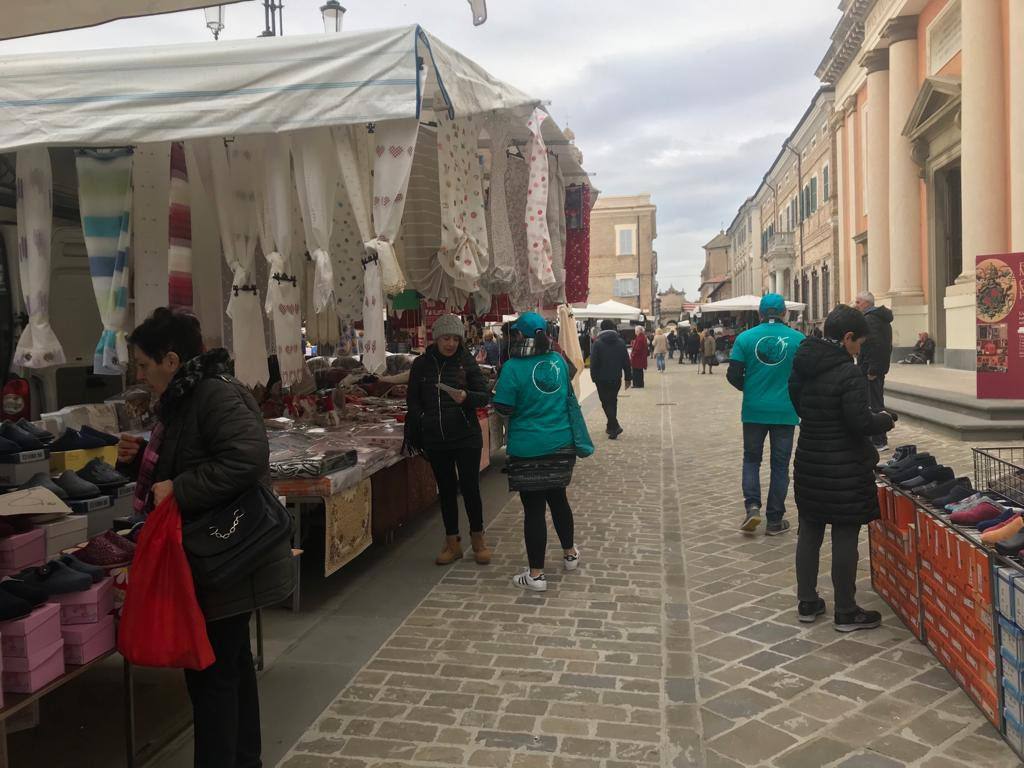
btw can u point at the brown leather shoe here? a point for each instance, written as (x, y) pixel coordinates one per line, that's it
(481, 552)
(451, 552)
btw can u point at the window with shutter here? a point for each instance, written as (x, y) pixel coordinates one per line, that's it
(814, 194)
(824, 183)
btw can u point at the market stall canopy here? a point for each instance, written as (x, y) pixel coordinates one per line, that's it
(608, 310)
(133, 96)
(745, 304)
(41, 16)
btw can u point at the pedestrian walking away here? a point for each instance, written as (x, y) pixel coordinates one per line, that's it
(638, 357)
(876, 355)
(609, 367)
(833, 475)
(709, 352)
(693, 345)
(446, 388)
(760, 367)
(533, 391)
(673, 341)
(661, 348)
(208, 447)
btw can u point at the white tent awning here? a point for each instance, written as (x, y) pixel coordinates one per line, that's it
(745, 304)
(133, 96)
(41, 16)
(608, 310)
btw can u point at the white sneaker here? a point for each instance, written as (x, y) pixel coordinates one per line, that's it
(525, 581)
(571, 562)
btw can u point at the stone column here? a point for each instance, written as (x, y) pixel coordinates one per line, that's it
(850, 191)
(1017, 124)
(983, 135)
(876, 62)
(842, 263)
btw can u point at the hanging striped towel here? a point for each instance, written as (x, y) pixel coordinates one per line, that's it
(179, 251)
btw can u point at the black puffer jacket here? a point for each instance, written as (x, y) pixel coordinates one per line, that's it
(609, 359)
(435, 419)
(215, 448)
(833, 474)
(876, 354)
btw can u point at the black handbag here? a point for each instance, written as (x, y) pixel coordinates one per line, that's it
(226, 545)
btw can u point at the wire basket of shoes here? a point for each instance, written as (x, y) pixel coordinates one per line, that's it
(1000, 470)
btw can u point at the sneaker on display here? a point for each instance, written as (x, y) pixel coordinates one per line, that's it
(572, 562)
(809, 610)
(752, 520)
(525, 581)
(776, 529)
(858, 619)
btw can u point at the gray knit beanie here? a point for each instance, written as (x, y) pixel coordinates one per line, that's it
(449, 325)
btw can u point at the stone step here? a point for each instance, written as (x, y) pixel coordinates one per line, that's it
(959, 424)
(957, 402)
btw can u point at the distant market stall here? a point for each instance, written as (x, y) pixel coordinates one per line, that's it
(745, 304)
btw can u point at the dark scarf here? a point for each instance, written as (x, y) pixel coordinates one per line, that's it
(216, 362)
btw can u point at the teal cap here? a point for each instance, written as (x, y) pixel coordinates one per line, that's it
(529, 323)
(772, 305)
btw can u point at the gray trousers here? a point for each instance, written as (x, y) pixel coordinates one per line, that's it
(844, 563)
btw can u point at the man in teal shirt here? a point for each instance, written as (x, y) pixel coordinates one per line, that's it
(761, 361)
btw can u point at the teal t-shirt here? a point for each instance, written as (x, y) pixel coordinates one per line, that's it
(767, 352)
(538, 389)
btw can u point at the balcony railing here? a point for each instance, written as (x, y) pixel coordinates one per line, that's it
(781, 245)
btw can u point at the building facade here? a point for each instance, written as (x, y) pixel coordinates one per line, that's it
(929, 137)
(745, 251)
(623, 262)
(715, 283)
(671, 304)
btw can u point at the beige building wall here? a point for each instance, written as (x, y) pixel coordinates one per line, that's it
(614, 268)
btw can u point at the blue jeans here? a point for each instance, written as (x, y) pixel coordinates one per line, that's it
(660, 360)
(781, 449)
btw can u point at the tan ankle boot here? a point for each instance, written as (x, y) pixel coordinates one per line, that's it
(451, 552)
(481, 552)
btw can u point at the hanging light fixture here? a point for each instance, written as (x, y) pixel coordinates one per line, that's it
(215, 20)
(333, 12)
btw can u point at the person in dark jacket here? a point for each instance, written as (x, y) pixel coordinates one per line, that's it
(833, 475)
(923, 352)
(876, 354)
(491, 348)
(446, 388)
(208, 447)
(609, 367)
(693, 345)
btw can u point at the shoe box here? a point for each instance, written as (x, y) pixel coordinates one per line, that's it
(893, 576)
(99, 513)
(88, 606)
(18, 468)
(64, 460)
(1009, 604)
(21, 551)
(64, 533)
(32, 647)
(85, 642)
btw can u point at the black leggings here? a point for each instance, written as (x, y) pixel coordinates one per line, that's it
(466, 459)
(844, 563)
(535, 525)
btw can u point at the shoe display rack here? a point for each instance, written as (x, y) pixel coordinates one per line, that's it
(962, 599)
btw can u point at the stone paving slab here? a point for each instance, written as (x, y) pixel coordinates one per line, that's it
(675, 644)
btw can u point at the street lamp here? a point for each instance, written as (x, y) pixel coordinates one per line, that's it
(333, 12)
(215, 20)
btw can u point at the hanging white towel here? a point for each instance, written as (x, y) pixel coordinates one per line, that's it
(538, 238)
(464, 251)
(316, 178)
(503, 258)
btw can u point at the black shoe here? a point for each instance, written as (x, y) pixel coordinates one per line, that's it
(914, 462)
(944, 488)
(928, 475)
(12, 607)
(77, 488)
(911, 471)
(955, 496)
(752, 520)
(899, 453)
(43, 480)
(40, 434)
(777, 528)
(95, 572)
(95, 434)
(859, 619)
(73, 440)
(30, 593)
(16, 434)
(809, 610)
(8, 447)
(102, 475)
(55, 578)
(615, 433)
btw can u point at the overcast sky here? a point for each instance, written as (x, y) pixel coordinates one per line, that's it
(686, 99)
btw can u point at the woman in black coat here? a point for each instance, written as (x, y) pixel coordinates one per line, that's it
(445, 389)
(208, 447)
(833, 474)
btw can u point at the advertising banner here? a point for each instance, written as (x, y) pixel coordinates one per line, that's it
(999, 283)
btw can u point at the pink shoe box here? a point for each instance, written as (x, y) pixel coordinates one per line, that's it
(28, 637)
(19, 676)
(22, 550)
(85, 642)
(89, 605)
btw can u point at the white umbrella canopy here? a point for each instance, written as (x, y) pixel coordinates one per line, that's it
(608, 310)
(41, 16)
(748, 303)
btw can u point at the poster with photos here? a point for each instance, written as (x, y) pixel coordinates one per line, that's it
(999, 296)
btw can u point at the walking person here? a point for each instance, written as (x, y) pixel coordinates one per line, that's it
(876, 355)
(609, 367)
(208, 447)
(693, 341)
(833, 475)
(533, 391)
(446, 388)
(673, 340)
(638, 358)
(661, 348)
(709, 352)
(760, 367)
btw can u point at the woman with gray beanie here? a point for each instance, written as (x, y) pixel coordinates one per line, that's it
(445, 389)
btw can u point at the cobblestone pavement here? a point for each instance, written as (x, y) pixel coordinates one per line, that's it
(675, 644)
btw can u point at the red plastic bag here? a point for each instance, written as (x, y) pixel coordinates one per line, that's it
(161, 622)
